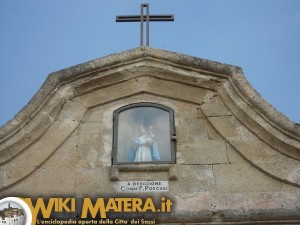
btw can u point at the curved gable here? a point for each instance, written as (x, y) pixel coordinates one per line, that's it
(220, 121)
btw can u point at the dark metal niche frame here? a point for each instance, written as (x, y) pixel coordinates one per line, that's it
(172, 132)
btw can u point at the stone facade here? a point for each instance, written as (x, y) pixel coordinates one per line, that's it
(237, 158)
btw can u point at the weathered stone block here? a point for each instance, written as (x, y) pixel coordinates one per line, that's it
(55, 112)
(54, 181)
(215, 107)
(242, 178)
(59, 131)
(138, 175)
(4, 156)
(203, 152)
(191, 130)
(287, 188)
(156, 175)
(200, 114)
(288, 170)
(253, 149)
(116, 91)
(88, 155)
(64, 156)
(105, 156)
(46, 182)
(9, 173)
(226, 125)
(212, 133)
(192, 179)
(233, 156)
(72, 111)
(38, 125)
(93, 115)
(144, 83)
(197, 202)
(114, 173)
(89, 138)
(93, 182)
(177, 90)
(2, 177)
(186, 110)
(90, 128)
(32, 131)
(100, 82)
(39, 151)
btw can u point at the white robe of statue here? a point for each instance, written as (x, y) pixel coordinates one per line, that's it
(144, 148)
(143, 152)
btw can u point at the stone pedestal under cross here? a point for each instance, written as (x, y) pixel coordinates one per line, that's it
(144, 18)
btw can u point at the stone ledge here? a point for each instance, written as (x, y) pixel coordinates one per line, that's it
(170, 168)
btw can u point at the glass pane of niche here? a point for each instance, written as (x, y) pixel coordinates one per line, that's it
(143, 134)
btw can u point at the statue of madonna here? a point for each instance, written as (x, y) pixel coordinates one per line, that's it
(143, 148)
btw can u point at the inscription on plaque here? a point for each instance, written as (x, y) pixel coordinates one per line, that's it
(142, 186)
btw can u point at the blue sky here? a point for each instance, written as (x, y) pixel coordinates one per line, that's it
(39, 37)
(12, 204)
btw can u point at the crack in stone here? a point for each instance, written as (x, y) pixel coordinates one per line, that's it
(214, 179)
(227, 152)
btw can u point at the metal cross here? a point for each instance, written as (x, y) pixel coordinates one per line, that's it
(141, 18)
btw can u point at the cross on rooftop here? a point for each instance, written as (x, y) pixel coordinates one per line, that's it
(144, 18)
